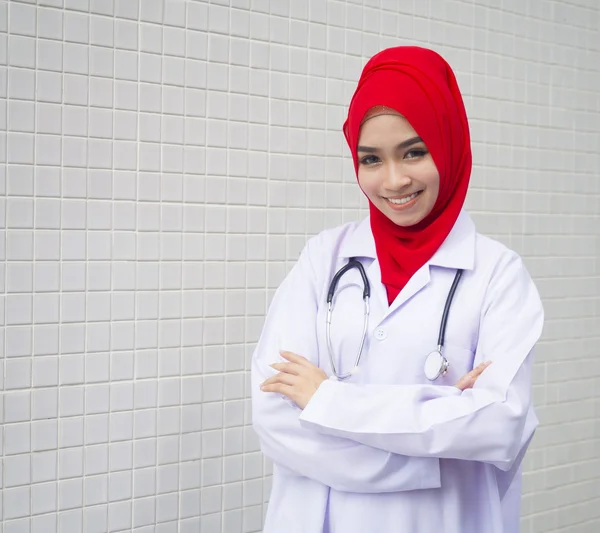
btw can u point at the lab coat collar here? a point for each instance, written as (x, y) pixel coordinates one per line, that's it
(457, 251)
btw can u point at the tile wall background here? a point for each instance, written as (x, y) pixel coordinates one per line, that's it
(162, 163)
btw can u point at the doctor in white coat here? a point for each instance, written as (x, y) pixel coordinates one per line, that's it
(396, 397)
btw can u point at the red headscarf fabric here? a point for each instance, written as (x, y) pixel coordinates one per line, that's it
(420, 85)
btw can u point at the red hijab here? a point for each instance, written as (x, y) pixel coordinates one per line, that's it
(420, 85)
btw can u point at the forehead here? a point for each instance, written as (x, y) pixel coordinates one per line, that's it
(391, 127)
(379, 110)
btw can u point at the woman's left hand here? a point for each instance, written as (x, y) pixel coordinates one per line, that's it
(298, 379)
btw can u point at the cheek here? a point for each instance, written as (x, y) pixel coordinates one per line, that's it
(368, 184)
(435, 188)
(431, 178)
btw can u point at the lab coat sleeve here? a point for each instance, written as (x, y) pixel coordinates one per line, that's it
(487, 423)
(337, 462)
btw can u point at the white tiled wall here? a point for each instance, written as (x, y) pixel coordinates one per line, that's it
(162, 163)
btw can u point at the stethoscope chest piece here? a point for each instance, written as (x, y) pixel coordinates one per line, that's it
(436, 365)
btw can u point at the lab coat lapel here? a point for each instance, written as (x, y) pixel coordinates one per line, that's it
(457, 251)
(378, 292)
(361, 244)
(418, 281)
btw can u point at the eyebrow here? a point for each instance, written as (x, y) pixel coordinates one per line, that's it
(403, 144)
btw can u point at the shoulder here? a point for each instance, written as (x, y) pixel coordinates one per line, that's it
(503, 272)
(493, 257)
(490, 253)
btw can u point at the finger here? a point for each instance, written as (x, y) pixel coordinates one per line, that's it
(468, 380)
(477, 371)
(280, 388)
(465, 383)
(288, 368)
(287, 379)
(294, 358)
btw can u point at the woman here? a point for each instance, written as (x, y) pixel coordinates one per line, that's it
(402, 443)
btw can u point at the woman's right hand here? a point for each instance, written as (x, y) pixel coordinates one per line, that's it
(468, 380)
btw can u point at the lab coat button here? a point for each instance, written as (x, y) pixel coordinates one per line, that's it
(380, 334)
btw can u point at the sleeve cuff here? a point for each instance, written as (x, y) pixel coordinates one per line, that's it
(320, 403)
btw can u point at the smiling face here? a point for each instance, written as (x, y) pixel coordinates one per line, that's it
(395, 169)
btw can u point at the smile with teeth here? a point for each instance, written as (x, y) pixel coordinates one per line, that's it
(402, 201)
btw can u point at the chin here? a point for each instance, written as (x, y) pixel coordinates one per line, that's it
(405, 220)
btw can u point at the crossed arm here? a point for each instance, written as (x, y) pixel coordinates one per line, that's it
(343, 424)
(337, 462)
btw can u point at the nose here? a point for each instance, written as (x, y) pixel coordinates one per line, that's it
(396, 177)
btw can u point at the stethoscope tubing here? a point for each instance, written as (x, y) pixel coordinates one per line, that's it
(354, 263)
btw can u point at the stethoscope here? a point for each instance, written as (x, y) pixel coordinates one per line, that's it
(436, 364)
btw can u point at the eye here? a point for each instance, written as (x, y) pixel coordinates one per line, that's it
(369, 160)
(415, 153)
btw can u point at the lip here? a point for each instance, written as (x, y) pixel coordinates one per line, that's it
(402, 207)
(399, 197)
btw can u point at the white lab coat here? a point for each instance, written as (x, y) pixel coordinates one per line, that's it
(387, 450)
